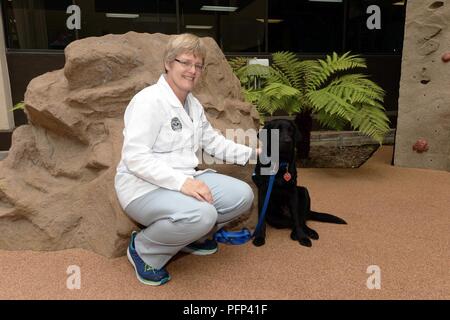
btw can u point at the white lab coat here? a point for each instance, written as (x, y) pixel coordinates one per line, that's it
(161, 142)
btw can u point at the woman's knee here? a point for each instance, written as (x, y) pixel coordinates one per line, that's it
(206, 216)
(247, 195)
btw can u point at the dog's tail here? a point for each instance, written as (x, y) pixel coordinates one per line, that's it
(325, 217)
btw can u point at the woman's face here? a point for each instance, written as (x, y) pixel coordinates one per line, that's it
(183, 73)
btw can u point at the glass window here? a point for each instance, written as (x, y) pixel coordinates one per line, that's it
(37, 24)
(388, 39)
(310, 26)
(42, 24)
(237, 26)
(117, 17)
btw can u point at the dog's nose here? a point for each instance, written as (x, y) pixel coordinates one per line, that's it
(285, 138)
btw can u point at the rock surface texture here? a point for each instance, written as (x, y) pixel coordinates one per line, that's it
(424, 103)
(56, 185)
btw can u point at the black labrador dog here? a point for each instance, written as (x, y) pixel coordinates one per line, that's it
(289, 205)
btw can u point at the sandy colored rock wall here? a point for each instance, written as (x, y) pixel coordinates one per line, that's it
(57, 183)
(423, 128)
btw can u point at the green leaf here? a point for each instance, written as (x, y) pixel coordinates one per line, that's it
(17, 106)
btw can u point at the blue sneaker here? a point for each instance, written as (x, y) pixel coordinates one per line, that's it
(201, 248)
(145, 273)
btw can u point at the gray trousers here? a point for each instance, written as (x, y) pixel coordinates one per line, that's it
(174, 220)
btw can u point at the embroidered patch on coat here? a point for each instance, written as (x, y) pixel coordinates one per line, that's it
(175, 123)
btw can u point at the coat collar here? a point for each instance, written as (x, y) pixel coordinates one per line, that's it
(173, 99)
(175, 102)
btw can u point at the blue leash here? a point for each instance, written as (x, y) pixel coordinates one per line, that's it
(244, 235)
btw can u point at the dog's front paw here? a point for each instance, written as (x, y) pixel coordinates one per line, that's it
(304, 241)
(260, 241)
(312, 234)
(294, 235)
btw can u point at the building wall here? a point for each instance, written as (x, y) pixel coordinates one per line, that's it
(424, 101)
(36, 33)
(6, 117)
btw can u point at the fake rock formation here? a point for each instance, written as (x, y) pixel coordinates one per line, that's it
(56, 185)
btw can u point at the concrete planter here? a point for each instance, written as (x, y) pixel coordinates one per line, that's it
(341, 149)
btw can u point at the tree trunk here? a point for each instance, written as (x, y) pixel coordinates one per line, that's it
(303, 121)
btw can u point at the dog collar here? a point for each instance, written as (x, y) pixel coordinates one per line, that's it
(276, 168)
(282, 165)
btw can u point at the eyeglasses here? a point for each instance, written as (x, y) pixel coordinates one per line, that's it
(188, 65)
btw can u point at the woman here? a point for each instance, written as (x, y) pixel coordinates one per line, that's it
(156, 181)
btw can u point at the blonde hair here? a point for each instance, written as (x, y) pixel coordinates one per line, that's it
(184, 43)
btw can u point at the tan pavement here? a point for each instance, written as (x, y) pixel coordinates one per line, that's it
(398, 220)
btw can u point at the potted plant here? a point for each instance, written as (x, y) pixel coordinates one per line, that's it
(331, 89)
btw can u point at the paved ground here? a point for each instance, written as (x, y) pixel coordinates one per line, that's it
(398, 220)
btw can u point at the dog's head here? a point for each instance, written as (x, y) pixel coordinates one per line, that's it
(288, 137)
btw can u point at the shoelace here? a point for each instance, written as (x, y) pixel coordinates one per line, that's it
(149, 268)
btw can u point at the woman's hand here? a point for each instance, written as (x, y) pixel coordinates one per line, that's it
(197, 189)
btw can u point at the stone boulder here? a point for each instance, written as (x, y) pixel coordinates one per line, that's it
(56, 185)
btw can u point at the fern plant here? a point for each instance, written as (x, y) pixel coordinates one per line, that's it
(327, 88)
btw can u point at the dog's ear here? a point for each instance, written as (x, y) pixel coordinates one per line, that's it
(297, 135)
(267, 126)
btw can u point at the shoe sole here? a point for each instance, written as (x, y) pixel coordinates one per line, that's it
(142, 280)
(199, 252)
